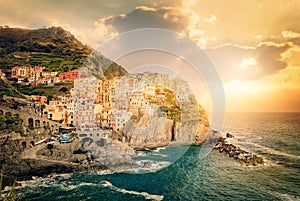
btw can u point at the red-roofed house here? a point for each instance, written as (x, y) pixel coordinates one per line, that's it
(68, 76)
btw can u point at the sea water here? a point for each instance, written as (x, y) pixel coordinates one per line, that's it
(181, 173)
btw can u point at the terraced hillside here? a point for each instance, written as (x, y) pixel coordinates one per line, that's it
(53, 48)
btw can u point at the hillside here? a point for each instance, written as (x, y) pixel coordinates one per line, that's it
(101, 67)
(53, 48)
(7, 89)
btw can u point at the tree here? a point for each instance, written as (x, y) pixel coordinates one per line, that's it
(63, 89)
(26, 80)
(15, 80)
(43, 106)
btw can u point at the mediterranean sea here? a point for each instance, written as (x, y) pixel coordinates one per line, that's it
(179, 173)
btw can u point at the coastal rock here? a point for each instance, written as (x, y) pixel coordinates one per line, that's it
(158, 131)
(72, 152)
(237, 153)
(13, 166)
(20, 164)
(112, 155)
(149, 132)
(228, 135)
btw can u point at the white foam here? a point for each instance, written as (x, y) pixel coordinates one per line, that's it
(68, 187)
(272, 151)
(104, 172)
(158, 149)
(147, 196)
(153, 166)
(162, 155)
(141, 154)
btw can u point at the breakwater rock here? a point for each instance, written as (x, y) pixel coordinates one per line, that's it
(235, 152)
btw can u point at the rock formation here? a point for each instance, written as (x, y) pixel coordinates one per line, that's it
(73, 152)
(244, 157)
(113, 155)
(42, 160)
(158, 131)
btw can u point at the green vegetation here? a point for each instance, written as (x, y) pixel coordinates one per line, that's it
(11, 124)
(114, 70)
(169, 105)
(45, 90)
(7, 89)
(54, 48)
(101, 67)
(59, 63)
(63, 89)
(10, 195)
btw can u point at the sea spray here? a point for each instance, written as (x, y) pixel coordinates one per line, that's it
(124, 191)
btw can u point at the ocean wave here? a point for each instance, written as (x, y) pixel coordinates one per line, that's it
(146, 195)
(146, 166)
(152, 152)
(158, 149)
(151, 166)
(70, 187)
(104, 172)
(40, 181)
(140, 153)
(157, 154)
(271, 150)
(284, 196)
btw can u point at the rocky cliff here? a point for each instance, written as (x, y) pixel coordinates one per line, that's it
(113, 155)
(15, 165)
(158, 131)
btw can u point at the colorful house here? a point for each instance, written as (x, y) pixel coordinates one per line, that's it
(68, 76)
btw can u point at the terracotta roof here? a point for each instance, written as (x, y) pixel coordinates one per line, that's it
(107, 109)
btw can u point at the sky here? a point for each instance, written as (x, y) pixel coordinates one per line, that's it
(254, 44)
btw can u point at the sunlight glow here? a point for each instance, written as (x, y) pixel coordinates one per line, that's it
(248, 62)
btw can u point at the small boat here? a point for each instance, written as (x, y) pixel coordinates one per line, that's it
(66, 139)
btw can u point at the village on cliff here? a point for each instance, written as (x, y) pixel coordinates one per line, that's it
(95, 103)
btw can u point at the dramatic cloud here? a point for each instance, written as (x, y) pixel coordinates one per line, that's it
(239, 23)
(145, 17)
(245, 63)
(290, 34)
(76, 16)
(211, 19)
(254, 44)
(234, 62)
(182, 20)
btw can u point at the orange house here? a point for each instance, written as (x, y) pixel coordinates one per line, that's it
(68, 76)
